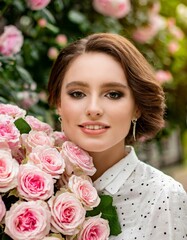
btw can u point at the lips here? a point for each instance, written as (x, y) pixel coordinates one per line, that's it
(93, 128)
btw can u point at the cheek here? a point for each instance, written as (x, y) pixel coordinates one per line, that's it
(123, 119)
(69, 112)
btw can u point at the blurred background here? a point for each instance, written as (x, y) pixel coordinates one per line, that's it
(32, 32)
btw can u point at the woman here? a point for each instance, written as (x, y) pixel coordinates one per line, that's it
(106, 94)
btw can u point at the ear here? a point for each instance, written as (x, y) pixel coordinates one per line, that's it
(137, 112)
(59, 109)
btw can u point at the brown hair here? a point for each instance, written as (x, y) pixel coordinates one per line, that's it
(147, 92)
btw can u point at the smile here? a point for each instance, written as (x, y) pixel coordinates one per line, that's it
(94, 127)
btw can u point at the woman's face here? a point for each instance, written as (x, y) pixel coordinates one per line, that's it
(96, 103)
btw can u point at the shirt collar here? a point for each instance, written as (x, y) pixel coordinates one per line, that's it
(115, 176)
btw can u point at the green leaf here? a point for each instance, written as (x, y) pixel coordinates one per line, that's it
(24, 74)
(76, 16)
(5, 237)
(48, 15)
(108, 212)
(13, 192)
(22, 125)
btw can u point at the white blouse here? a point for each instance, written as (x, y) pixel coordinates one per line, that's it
(150, 204)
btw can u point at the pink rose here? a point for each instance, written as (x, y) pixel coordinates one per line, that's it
(112, 8)
(146, 33)
(61, 39)
(94, 228)
(163, 76)
(34, 184)
(174, 29)
(42, 22)
(2, 209)
(59, 137)
(12, 110)
(48, 159)
(27, 98)
(11, 41)
(36, 138)
(37, 4)
(52, 53)
(28, 220)
(77, 159)
(67, 213)
(173, 47)
(9, 168)
(8, 131)
(52, 238)
(84, 191)
(38, 125)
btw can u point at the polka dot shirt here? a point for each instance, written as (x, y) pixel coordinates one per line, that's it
(150, 204)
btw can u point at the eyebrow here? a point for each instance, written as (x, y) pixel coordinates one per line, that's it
(104, 85)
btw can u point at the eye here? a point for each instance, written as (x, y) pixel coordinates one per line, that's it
(114, 95)
(77, 94)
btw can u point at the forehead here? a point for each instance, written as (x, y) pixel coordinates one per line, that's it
(95, 65)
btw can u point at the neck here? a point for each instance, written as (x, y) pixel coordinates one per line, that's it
(106, 159)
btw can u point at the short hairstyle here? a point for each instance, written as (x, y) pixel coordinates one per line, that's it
(146, 90)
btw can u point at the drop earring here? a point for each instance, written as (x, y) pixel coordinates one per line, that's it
(134, 121)
(60, 119)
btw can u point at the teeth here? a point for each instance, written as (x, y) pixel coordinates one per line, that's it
(94, 127)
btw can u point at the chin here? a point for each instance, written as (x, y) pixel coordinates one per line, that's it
(93, 148)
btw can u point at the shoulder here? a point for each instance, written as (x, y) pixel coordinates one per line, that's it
(158, 180)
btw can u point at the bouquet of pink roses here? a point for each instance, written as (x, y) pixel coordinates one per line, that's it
(45, 187)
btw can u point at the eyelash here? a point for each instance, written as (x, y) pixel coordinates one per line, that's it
(117, 94)
(113, 95)
(75, 93)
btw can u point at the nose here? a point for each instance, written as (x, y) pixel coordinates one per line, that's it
(94, 108)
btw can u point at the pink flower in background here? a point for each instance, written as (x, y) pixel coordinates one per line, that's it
(67, 213)
(84, 191)
(9, 168)
(94, 228)
(52, 53)
(12, 110)
(28, 220)
(77, 159)
(38, 125)
(112, 8)
(2, 209)
(173, 47)
(163, 76)
(61, 39)
(155, 8)
(27, 98)
(8, 131)
(42, 22)
(37, 4)
(34, 184)
(48, 159)
(175, 30)
(146, 33)
(11, 41)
